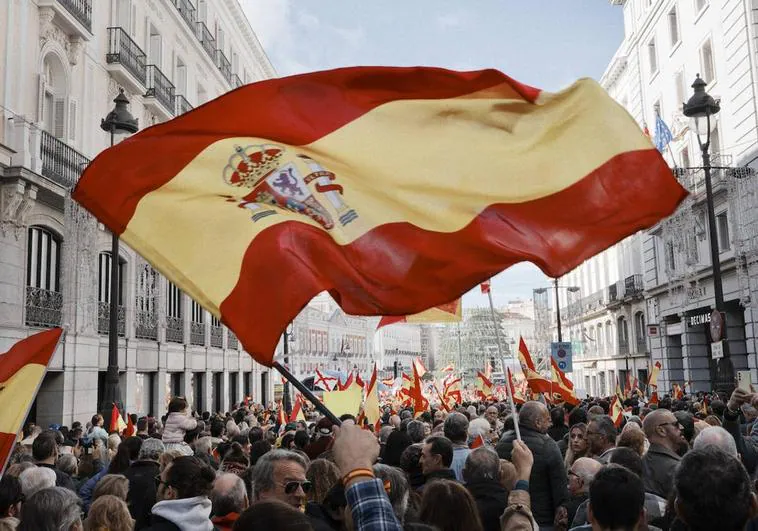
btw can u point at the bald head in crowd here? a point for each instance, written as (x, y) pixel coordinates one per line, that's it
(229, 495)
(584, 469)
(534, 415)
(716, 437)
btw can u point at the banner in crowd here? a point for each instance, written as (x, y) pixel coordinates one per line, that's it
(395, 189)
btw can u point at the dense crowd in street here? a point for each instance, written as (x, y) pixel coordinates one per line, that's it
(683, 464)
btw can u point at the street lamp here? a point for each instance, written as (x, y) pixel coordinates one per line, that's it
(118, 122)
(570, 289)
(700, 107)
(289, 335)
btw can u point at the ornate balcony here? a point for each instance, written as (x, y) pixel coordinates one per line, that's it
(633, 286)
(174, 329)
(125, 60)
(43, 307)
(182, 105)
(197, 334)
(104, 319)
(206, 38)
(60, 162)
(231, 341)
(187, 11)
(160, 93)
(146, 325)
(73, 16)
(217, 336)
(224, 66)
(641, 345)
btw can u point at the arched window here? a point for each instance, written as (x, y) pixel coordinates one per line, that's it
(609, 337)
(53, 94)
(622, 331)
(640, 331)
(44, 301)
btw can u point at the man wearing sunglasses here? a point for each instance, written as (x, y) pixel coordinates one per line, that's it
(663, 431)
(280, 474)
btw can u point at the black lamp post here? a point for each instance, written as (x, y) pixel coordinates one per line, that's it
(572, 289)
(119, 121)
(701, 106)
(289, 335)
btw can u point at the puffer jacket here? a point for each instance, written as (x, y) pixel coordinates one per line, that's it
(177, 424)
(548, 482)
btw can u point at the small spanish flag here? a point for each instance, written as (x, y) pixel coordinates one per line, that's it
(395, 189)
(21, 371)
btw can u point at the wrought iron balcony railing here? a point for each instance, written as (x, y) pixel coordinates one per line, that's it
(197, 334)
(182, 105)
(146, 325)
(641, 345)
(81, 10)
(174, 329)
(43, 307)
(231, 341)
(633, 285)
(623, 347)
(206, 38)
(217, 336)
(187, 11)
(60, 162)
(224, 66)
(123, 50)
(160, 88)
(104, 319)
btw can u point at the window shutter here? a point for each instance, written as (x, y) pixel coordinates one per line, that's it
(41, 98)
(72, 121)
(59, 124)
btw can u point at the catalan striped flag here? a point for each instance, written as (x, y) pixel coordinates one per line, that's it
(21, 371)
(394, 189)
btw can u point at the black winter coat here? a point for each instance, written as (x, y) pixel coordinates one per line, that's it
(491, 500)
(548, 483)
(142, 491)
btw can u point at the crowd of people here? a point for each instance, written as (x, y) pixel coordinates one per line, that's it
(684, 464)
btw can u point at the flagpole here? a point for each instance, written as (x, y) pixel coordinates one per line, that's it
(306, 393)
(502, 362)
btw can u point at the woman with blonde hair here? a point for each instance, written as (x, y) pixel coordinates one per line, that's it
(112, 484)
(109, 513)
(577, 446)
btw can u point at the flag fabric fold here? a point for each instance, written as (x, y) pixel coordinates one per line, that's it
(564, 386)
(117, 424)
(536, 382)
(443, 313)
(22, 368)
(395, 189)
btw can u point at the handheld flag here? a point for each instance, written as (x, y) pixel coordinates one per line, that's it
(535, 380)
(616, 411)
(321, 182)
(297, 410)
(371, 408)
(477, 443)
(517, 397)
(323, 380)
(564, 385)
(663, 134)
(129, 431)
(22, 368)
(443, 313)
(483, 386)
(117, 424)
(485, 286)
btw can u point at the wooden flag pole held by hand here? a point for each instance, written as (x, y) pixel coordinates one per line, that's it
(307, 393)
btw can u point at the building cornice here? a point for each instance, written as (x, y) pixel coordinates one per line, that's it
(246, 29)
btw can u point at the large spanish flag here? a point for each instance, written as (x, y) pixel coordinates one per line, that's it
(395, 189)
(536, 382)
(21, 371)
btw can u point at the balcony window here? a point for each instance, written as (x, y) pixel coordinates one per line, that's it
(44, 301)
(681, 88)
(640, 332)
(722, 227)
(197, 324)
(652, 55)
(707, 68)
(217, 333)
(673, 27)
(145, 315)
(104, 294)
(174, 321)
(53, 92)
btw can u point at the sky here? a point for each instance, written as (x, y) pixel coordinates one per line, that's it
(545, 43)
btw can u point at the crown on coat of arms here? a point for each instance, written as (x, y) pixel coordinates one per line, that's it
(251, 164)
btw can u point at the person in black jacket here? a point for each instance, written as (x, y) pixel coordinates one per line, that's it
(482, 475)
(45, 453)
(548, 484)
(141, 475)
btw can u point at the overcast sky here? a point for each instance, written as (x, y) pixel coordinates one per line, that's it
(544, 43)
